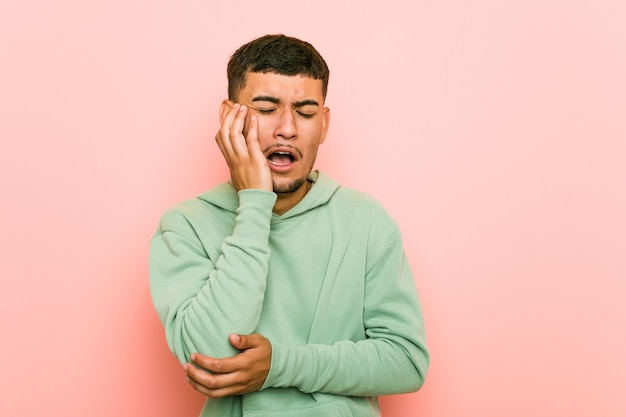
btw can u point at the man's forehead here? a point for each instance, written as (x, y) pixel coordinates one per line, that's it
(273, 84)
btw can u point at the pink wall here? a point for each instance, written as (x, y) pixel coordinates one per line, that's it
(494, 131)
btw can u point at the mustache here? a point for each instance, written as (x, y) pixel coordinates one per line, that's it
(283, 146)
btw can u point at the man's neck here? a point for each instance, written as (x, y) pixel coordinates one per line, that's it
(286, 202)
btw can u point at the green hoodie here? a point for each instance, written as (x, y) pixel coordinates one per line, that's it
(327, 283)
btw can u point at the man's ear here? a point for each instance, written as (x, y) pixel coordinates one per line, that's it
(325, 123)
(224, 108)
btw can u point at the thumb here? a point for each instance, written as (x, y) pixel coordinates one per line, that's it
(241, 342)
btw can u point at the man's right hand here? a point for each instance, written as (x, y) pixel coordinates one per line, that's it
(248, 166)
(240, 374)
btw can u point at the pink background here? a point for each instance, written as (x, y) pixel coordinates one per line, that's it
(494, 131)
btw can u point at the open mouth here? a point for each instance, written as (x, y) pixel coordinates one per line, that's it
(282, 156)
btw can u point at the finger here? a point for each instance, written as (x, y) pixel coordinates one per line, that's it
(253, 131)
(223, 138)
(252, 140)
(225, 147)
(238, 140)
(217, 366)
(214, 385)
(221, 392)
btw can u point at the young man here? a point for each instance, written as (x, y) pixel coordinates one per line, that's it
(281, 292)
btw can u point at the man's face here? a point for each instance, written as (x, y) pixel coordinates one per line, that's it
(292, 123)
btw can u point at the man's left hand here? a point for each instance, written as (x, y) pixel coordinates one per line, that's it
(240, 374)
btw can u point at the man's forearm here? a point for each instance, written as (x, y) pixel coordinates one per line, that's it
(364, 368)
(202, 301)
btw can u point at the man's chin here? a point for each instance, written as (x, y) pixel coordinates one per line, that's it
(290, 187)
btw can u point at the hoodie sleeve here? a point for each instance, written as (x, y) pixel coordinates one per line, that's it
(391, 359)
(199, 300)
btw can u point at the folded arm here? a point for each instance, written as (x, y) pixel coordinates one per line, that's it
(202, 300)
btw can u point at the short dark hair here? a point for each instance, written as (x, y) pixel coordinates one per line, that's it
(277, 54)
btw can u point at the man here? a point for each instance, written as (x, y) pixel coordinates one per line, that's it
(281, 292)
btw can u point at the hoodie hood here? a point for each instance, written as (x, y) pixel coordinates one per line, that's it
(225, 196)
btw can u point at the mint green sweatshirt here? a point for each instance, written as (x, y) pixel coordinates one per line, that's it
(327, 283)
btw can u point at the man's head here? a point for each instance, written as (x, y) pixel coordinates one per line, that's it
(282, 82)
(278, 54)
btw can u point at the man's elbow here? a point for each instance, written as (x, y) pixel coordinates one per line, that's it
(421, 366)
(417, 382)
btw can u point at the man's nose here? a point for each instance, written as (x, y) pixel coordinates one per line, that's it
(287, 125)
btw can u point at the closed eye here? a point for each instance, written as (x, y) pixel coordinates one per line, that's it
(265, 111)
(306, 115)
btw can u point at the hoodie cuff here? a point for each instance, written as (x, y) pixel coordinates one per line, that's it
(254, 213)
(288, 367)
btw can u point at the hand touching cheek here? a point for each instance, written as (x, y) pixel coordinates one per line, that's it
(247, 164)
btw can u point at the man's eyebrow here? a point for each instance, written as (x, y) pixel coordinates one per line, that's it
(307, 102)
(266, 98)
